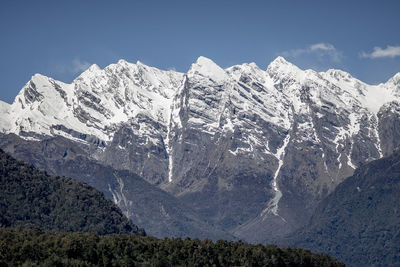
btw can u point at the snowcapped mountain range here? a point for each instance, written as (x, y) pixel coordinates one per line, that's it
(99, 99)
(251, 151)
(94, 102)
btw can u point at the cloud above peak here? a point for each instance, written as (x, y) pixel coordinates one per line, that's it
(320, 50)
(73, 67)
(388, 52)
(79, 65)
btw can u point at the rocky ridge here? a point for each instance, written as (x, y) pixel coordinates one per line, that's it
(251, 151)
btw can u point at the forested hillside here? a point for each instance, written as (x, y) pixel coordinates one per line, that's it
(33, 247)
(32, 198)
(359, 222)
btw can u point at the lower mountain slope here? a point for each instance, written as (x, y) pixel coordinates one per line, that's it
(146, 205)
(32, 198)
(359, 223)
(35, 248)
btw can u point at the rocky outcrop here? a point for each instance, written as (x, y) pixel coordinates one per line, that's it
(389, 127)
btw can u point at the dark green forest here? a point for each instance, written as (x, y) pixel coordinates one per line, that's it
(33, 247)
(32, 198)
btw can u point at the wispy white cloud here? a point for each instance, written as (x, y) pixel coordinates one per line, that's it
(79, 65)
(73, 67)
(389, 51)
(322, 47)
(318, 49)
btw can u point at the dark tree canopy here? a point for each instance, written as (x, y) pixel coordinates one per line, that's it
(34, 247)
(32, 198)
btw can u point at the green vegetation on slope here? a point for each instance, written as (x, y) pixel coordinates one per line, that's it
(34, 247)
(146, 204)
(30, 197)
(359, 223)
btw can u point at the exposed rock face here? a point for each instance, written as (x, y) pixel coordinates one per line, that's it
(250, 151)
(138, 145)
(389, 127)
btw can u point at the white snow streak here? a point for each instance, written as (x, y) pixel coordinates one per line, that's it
(273, 203)
(170, 166)
(378, 139)
(349, 162)
(120, 199)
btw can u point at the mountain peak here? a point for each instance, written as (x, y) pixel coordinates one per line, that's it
(204, 61)
(37, 80)
(281, 66)
(93, 67)
(253, 64)
(280, 60)
(395, 79)
(140, 64)
(208, 68)
(37, 76)
(122, 62)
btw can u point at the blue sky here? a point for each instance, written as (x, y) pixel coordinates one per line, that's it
(61, 38)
